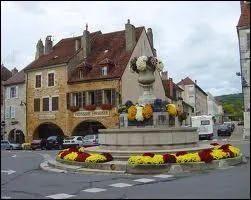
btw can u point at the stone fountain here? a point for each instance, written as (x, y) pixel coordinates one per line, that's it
(155, 135)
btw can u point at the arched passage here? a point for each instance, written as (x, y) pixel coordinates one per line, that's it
(16, 136)
(47, 129)
(88, 127)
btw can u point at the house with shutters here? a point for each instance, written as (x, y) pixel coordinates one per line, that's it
(74, 87)
(15, 108)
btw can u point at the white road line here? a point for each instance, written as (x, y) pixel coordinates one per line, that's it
(164, 176)
(5, 197)
(13, 156)
(60, 196)
(120, 185)
(93, 190)
(144, 180)
(215, 140)
(8, 171)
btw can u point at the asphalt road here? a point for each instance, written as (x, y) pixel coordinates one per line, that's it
(21, 178)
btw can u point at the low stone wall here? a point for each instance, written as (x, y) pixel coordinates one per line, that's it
(135, 139)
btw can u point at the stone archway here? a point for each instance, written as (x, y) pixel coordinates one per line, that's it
(88, 127)
(47, 129)
(16, 136)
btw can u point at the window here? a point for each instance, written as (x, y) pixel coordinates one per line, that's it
(91, 98)
(51, 79)
(7, 112)
(12, 112)
(104, 71)
(107, 96)
(80, 73)
(46, 104)
(54, 103)
(36, 105)
(13, 92)
(248, 41)
(205, 122)
(38, 81)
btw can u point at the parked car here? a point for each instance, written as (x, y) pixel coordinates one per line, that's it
(38, 144)
(75, 141)
(231, 125)
(91, 140)
(7, 145)
(224, 129)
(54, 142)
(240, 123)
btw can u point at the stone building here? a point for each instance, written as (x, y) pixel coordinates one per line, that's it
(243, 30)
(194, 95)
(15, 108)
(73, 88)
(5, 75)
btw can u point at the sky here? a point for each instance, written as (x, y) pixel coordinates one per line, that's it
(197, 39)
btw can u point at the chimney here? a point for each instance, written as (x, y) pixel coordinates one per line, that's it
(48, 45)
(171, 87)
(150, 36)
(130, 36)
(14, 71)
(77, 44)
(164, 75)
(196, 82)
(39, 49)
(86, 42)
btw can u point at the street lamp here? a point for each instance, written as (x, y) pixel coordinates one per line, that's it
(23, 103)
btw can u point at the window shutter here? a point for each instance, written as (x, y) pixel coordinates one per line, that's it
(113, 97)
(84, 99)
(16, 91)
(8, 92)
(7, 112)
(67, 100)
(54, 103)
(46, 104)
(98, 97)
(80, 103)
(12, 112)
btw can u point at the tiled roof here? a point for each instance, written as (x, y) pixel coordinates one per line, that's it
(61, 53)
(188, 81)
(5, 73)
(111, 48)
(17, 78)
(244, 19)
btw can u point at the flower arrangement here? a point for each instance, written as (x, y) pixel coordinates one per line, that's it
(74, 108)
(74, 154)
(143, 62)
(171, 109)
(106, 106)
(132, 110)
(90, 107)
(139, 114)
(147, 111)
(206, 155)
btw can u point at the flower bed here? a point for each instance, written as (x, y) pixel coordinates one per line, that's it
(74, 154)
(206, 155)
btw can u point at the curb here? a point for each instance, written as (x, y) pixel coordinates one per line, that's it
(64, 166)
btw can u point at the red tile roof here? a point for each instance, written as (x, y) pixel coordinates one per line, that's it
(188, 81)
(17, 78)
(244, 19)
(114, 42)
(109, 47)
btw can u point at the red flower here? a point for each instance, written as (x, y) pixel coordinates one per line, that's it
(106, 106)
(73, 149)
(214, 144)
(108, 156)
(64, 154)
(205, 156)
(149, 154)
(168, 158)
(82, 157)
(90, 107)
(224, 146)
(181, 153)
(207, 150)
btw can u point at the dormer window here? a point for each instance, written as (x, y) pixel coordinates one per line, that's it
(104, 71)
(80, 73)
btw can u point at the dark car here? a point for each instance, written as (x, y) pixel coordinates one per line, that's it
(38, 144)
(241, 123)
(54, 142)
(224, 129)
(231, 125)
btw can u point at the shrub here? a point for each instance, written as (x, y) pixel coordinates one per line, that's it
(205, 156)
(180, 153)
(108, 156)
(149, 154)
(82, 157)
(169, 158)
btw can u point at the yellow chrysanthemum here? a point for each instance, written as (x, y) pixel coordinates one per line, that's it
(171, 109)
(219, 154)
(96, 158)
(147, 111)
(132, 112)
(71, 156)
(190, 157)
(236, 151)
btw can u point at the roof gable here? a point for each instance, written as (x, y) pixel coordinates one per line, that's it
(5, 73)
(17, 78)
(244, 19)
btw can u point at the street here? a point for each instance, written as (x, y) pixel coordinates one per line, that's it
(21, 177)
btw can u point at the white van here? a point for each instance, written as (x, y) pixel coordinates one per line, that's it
(205, 126)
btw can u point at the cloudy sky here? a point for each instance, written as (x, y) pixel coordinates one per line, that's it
(196, 39)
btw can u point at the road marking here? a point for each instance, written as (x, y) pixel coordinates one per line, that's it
(60, 196)
(5, 197)
(215, 140)
(8, 171)
(120, 185)
(13, 156)
(144, 180)
(164, 176)
(94, 190)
